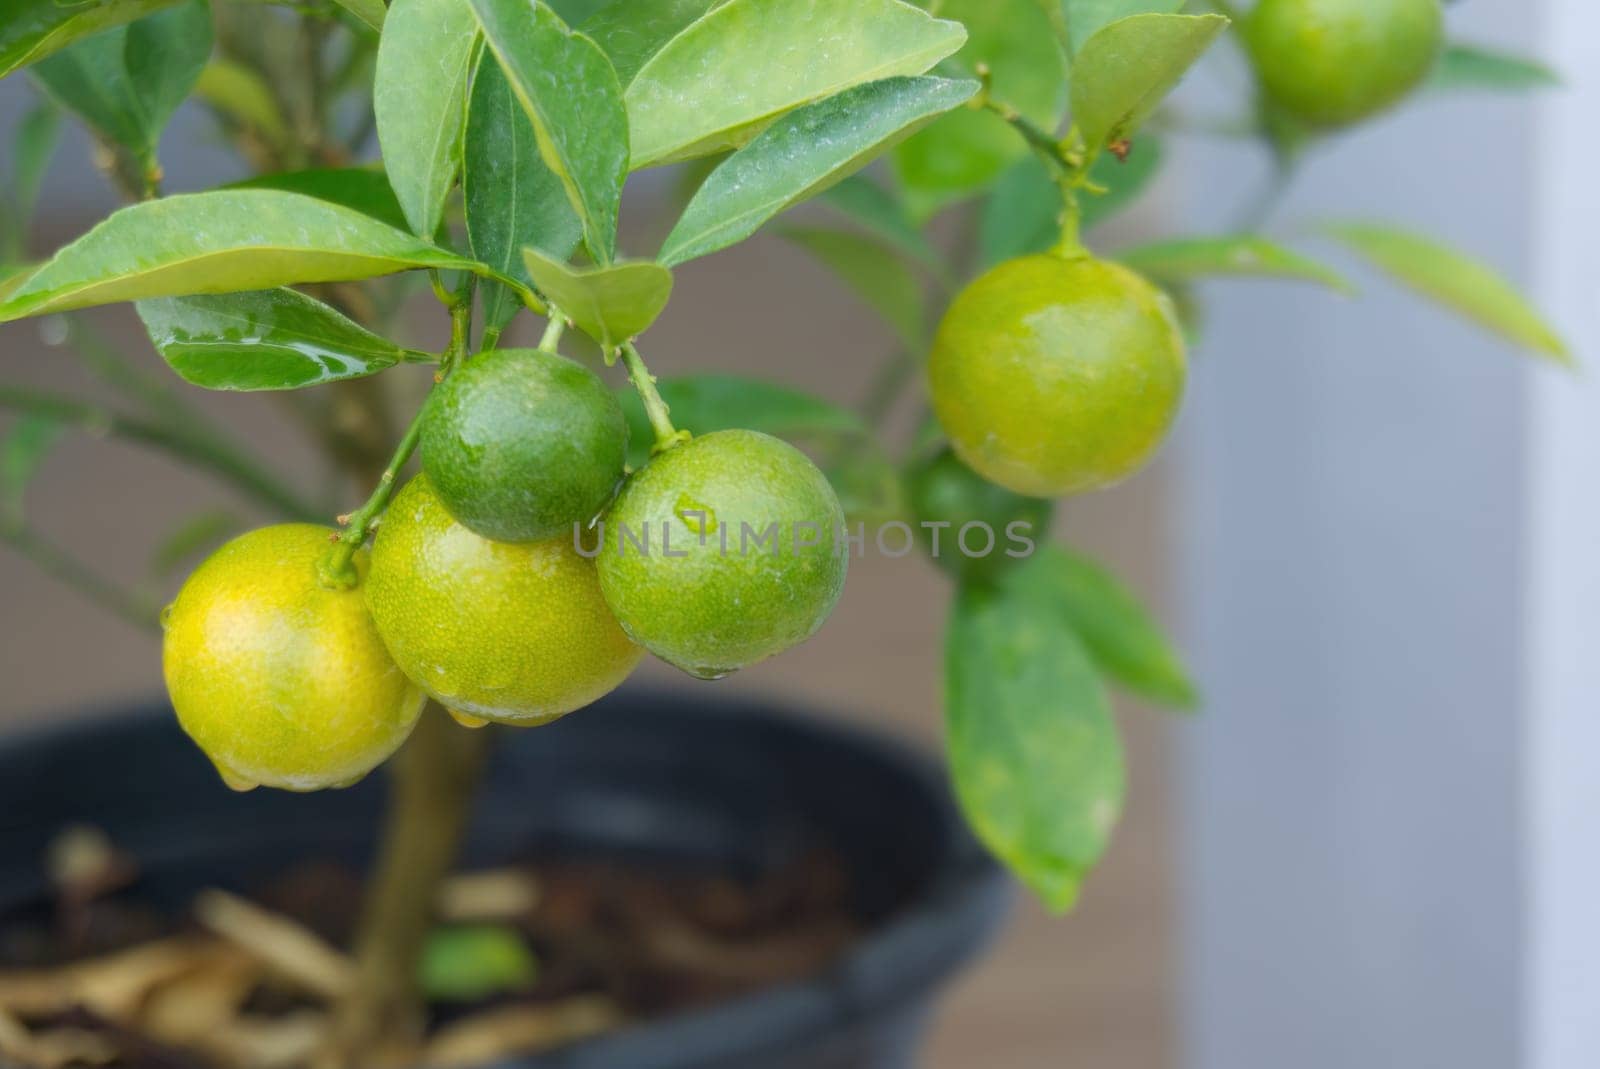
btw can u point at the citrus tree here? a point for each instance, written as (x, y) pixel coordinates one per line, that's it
(561, 527)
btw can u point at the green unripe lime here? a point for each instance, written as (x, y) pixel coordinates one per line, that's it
(1330, 63)
(972, 528)
(511, 632)
(522, 444)
(1053, 375)
(723, 551)
(279, 679)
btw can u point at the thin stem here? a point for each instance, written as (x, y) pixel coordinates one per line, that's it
(234, 467)
(137, 610)
(337, 570)
(655, 408)
(1067, 165)
(553, 331)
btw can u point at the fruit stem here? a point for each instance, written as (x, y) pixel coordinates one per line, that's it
(553, 332)
(667, 435)
(337, 571)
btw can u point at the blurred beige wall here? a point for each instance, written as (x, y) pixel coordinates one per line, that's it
(1095, 984)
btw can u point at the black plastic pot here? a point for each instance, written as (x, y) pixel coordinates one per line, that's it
(640, 775)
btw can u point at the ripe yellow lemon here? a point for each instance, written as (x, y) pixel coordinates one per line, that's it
(279, 679)
(1055, 375)
(511, 632)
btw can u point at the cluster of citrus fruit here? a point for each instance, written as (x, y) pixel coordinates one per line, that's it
(480, 590)
(1050, 375)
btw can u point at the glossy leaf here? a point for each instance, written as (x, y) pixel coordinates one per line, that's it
(127, 82)
(419, 97)
(22, 451)
(567, 87)
(1023, 213)
(371, 12)
(632, 32)
(701, 404)
(1086, 17)
(874, 273)
(610, 304)
(513, 200)
(471, 963)
(225, 241)
(243, 97)
(1456, 281)
(34, 29)
(1463, 66)
(966, 150)
(1033, 749)
(365, 189)
(882, 213)
(266, 340)
(689, 100)
(1128, 67)
(1121, 636)
(804, 153)
(1243, 256)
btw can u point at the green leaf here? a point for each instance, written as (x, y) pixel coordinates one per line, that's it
(1127, 68)
(882, 213)
(744, 64)
(244, 98)
(1125, 642)
(225, 241)
(632, 32)
(1023, 213)
(610, 304)
(1243, 256)
(513, 200)
(21, 453)
(419, 96)
(1464, 66)
(1033, 749)
(472, 963)
(13, 276)
(966, 150)
(701, 404)
(874, 273)
(371, 12)
(1456, 281)
(804, 153)
(36, 140)
(34, 29)
(193, 538)
(267, 340)
(567, 87)
(364, 189)
(127, 82)
(1086, 17)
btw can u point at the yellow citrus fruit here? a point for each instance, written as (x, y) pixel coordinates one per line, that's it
(511, 632)
(279, 679)
(1054, 375)
(1330, 63)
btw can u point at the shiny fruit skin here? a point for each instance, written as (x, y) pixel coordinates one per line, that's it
(515, 633)
(1330, 63)
(942, 490)
(522, 444)
(709, 611)
(282, 681)
(1054, 376)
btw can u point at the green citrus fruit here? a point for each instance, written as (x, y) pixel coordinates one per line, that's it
(511, 632)
(1053, 375)
(723, 551)
(1330, 63)
(279, 679)
(972, 528)
(522, 444)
